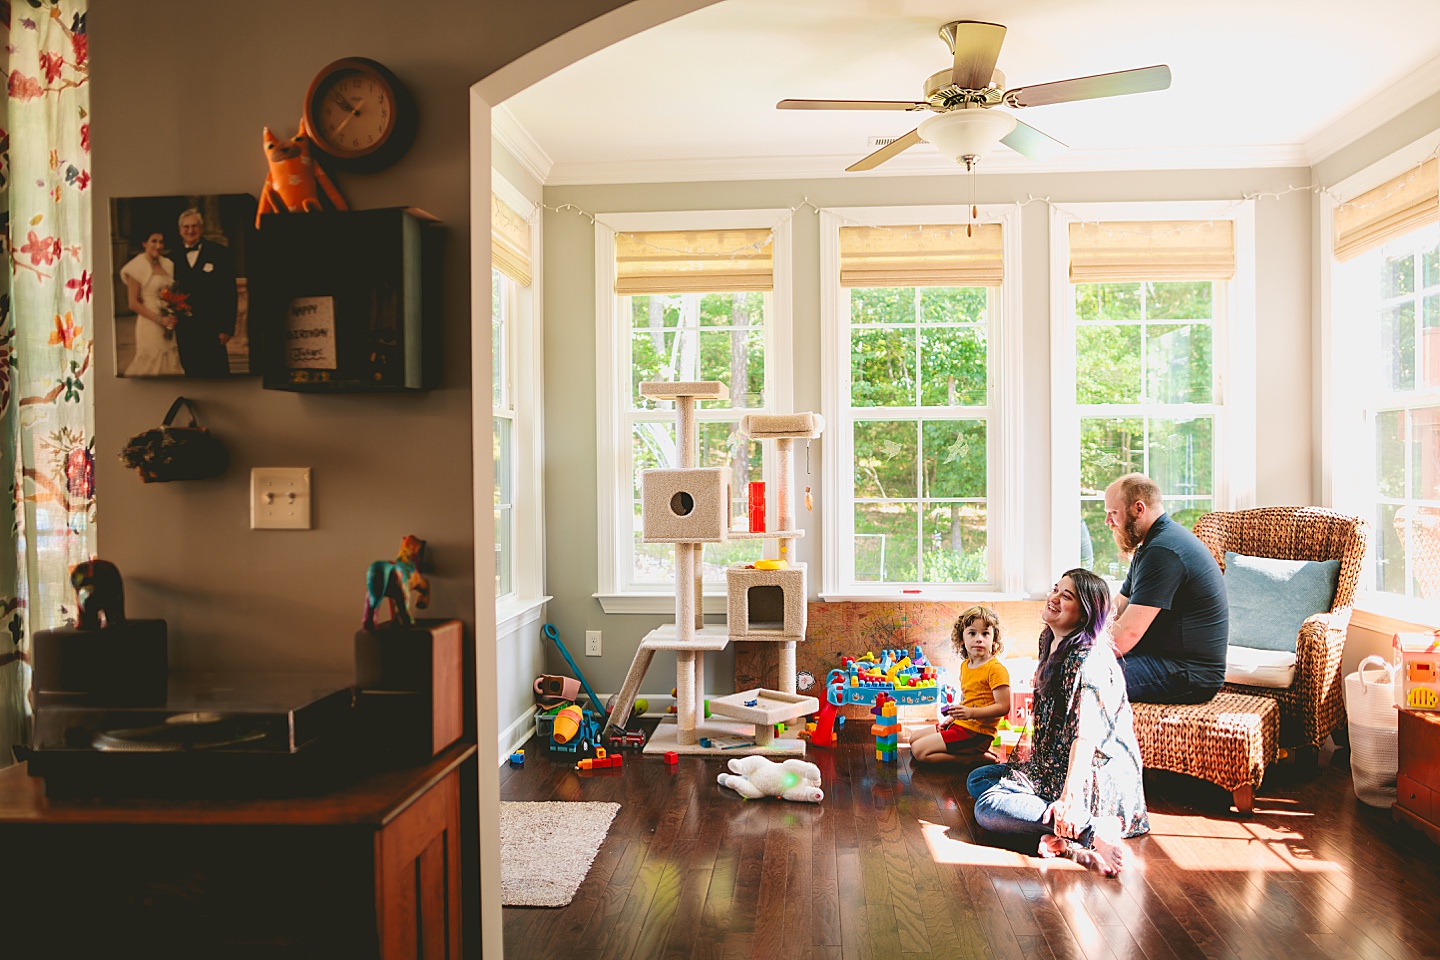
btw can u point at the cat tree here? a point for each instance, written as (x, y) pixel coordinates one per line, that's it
(689, 506)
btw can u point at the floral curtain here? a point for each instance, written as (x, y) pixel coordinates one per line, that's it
(47, 452)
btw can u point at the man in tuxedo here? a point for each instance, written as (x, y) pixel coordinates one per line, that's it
(205, 272)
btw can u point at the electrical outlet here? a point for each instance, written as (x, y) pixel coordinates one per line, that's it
(280, 498)
(592, 643)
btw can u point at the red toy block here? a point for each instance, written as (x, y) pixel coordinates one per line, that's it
(672, 757)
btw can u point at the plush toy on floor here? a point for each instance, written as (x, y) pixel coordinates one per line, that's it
(756, 777)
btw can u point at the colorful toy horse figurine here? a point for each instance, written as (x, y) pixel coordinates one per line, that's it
(99, 593)
(400, 581)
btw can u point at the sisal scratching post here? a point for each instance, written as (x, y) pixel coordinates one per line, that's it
(783, 502)
(787, 666)
(685, 698)
(625, 701)
(687, 438)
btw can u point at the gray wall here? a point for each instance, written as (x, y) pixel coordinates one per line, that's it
(1283, 229)
(179, 94)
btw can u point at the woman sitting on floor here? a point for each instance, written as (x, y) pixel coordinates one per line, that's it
(1080, 791)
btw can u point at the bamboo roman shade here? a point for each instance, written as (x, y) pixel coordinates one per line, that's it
(510, 241)
(694, 261)
(934, 255)
(1393, 209)
(1124, 251)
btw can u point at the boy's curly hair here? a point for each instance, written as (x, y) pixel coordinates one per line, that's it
(969, 616)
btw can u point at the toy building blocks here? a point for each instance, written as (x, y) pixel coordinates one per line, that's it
(886, 728)
(671, 757)
(601, 761)
(1418, 678)
(517, 759)
(905, 678)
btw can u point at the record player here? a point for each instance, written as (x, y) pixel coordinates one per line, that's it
(211, 735)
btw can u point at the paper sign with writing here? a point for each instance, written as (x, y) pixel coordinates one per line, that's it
(310, 334)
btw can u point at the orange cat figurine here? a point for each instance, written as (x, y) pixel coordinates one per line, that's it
(295, 181)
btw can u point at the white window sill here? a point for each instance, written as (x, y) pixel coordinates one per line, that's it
(653, 602)
(1386, 613)
(935, 594)
(512, 612)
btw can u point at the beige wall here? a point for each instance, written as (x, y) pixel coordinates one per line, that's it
(179, 94)
(1283, 231)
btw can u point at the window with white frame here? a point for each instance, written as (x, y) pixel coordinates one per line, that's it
(515, 399)
(915, 320)
(1386, 301)
(698, 296)
(1149, 373)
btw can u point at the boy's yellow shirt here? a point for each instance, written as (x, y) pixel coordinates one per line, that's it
(977, 689)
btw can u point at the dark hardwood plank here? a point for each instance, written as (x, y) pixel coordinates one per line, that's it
(892, 865)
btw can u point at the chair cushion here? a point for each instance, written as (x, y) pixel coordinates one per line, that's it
(1270, 599)
(1260, 668)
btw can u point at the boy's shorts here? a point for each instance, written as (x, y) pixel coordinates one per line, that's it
(962, 741)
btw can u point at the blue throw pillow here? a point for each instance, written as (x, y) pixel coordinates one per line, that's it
(1270, 599)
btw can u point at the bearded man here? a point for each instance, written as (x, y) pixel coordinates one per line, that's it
(1172, 623)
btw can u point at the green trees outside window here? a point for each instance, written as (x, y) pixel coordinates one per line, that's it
(919, 411)
(1146, 396)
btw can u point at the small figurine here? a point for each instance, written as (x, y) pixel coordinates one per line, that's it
(399, 581)
(295, 182)
(99, 593)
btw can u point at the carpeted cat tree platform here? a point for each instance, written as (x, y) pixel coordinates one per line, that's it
(689, 506)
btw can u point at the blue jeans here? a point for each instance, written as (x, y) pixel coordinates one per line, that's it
(1157, 680)
(1007, 806)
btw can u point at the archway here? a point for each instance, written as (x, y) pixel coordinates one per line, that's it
(610, 28)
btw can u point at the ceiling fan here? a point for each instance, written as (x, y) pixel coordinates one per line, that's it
(964, 126)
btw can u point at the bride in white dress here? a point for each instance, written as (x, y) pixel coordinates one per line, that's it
(156, 352)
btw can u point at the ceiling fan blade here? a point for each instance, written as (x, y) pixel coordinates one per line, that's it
(891, 149)
(851, 105)
(1139, 80)
(977, 47)
(1029, 142)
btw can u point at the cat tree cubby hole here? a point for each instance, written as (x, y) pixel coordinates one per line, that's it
(766, 607)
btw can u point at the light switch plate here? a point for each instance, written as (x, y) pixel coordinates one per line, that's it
(280, 498)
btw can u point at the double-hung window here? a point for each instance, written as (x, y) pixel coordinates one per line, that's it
(515, 388)
(918, 321)
(1385, 384)
(1152, 313)
(683, 297)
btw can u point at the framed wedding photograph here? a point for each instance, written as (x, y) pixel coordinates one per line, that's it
(181, 294)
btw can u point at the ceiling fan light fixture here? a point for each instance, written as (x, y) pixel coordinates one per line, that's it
(967, 133)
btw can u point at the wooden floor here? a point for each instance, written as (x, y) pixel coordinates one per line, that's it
(892, 865)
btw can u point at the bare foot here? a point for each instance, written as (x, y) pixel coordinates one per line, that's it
(1109, 851)
(1053, 846)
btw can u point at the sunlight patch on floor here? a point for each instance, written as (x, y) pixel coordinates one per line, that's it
(944, 849)
(1202, 843)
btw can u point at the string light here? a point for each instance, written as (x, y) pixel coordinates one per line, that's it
(974, 213)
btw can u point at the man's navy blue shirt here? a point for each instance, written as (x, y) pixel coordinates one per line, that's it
(1174, 571)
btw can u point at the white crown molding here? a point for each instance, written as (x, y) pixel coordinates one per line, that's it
(1419, 85)
(1003, 162)
(517, 140)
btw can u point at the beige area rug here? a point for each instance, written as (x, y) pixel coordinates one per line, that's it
(546, 849)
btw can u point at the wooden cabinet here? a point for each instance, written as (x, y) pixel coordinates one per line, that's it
(1418, 782)
(371, 870)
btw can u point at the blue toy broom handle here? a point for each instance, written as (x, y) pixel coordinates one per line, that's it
(554, 634)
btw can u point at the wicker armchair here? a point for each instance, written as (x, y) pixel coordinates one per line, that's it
(1314, 705)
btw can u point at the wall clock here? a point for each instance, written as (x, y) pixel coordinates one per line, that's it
(359, 114)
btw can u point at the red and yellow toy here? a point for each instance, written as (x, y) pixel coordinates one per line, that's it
(601, 761)
(295, 182)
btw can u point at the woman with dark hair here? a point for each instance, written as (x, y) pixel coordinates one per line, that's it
(148, 275)
(1081, 790)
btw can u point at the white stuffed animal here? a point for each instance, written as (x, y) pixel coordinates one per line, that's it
(756, 777)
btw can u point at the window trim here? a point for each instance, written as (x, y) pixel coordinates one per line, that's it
(1006, 530)
(612, 384)
(1234, 341)
(1339, 429)
(527, 394)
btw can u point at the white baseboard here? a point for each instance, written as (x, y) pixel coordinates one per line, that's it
(516, 735)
